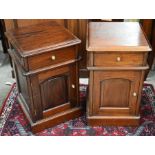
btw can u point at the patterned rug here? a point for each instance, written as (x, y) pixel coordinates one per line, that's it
(14, 123)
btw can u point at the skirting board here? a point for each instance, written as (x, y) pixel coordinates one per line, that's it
(113, 121)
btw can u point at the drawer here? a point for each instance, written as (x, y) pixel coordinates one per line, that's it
(52, 58)
(118, 59)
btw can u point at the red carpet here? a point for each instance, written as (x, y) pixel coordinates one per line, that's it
(14, 123)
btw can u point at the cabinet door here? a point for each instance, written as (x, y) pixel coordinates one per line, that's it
(55, 90)
(115, 92)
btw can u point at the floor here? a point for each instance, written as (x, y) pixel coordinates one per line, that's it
(6, 79)
(151, 78)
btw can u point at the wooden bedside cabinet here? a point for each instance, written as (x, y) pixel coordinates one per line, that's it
(45, 59)
(117, 54)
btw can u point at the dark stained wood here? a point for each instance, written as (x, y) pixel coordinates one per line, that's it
(51, 87)
(82, 30)
(63, 70)
(118, 68)
(106, 20)
(2, 36)
(51, 120)
(51, 58)
(74, 87)
(119, 86)
(114, 120)
(116, 36)
(117, 54)
(151, 56)
(116, 91)
(36, 95)
(56, 119)
(76, 26)
(53, 111)
(147, 27)
(140, 93)
(46, 65)
(72, 25)
(24, 91)
(18, 23)
(118, 59)
(43, 36)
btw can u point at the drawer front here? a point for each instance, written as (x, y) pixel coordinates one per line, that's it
(51, 58)
(118, 59)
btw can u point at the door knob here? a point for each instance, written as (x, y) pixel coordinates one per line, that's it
(73, 86)
(118, 59)
(53, 57)
(134, 94)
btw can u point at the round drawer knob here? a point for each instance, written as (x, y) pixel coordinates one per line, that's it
(134, 94)
(73, 86)
(118, 59)
(53, 57)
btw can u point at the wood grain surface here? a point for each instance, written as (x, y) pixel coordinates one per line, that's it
(116, 36)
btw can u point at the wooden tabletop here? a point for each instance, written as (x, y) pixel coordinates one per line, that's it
(116, 36)
(40, 38)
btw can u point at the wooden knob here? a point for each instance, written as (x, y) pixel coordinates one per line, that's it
(134, 94)
(73, 86)
(53, 57)
(118, 59)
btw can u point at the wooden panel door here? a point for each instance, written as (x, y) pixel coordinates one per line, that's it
(55, 90)
(115, 92)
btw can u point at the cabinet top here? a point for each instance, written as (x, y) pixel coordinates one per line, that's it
(116, 36)
(36, 39)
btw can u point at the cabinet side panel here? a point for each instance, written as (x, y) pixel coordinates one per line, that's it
(23, 90)
(38, 109)
(22, 84)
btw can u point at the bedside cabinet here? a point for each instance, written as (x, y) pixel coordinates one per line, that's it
(117, 61)
(45, 59)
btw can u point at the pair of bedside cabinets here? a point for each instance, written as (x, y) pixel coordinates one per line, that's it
(45, 60)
